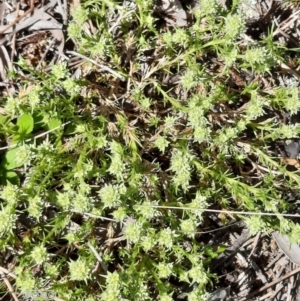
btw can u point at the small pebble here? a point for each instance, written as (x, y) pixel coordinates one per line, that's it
(292, 149)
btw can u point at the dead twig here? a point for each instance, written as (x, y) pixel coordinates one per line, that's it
(104, 267)
(45, 53)
(269, 285)
(121, 77)
(13, 47)
(7, 272)
(30, 10)
(9, 286)
(255, 243)
(291, 19)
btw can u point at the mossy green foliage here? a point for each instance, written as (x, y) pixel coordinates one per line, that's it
(98, 155)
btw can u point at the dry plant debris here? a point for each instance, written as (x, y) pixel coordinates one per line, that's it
(31, 25)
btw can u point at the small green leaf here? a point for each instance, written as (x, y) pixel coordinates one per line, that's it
(54, 123)
(221, 249)
(12, 177)
(25, 123)
(9, 160)
(211, 252)
(17, 137)
(71, 129)
(3, 119)
(58, 143)
(38, 120)
(214, 251)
